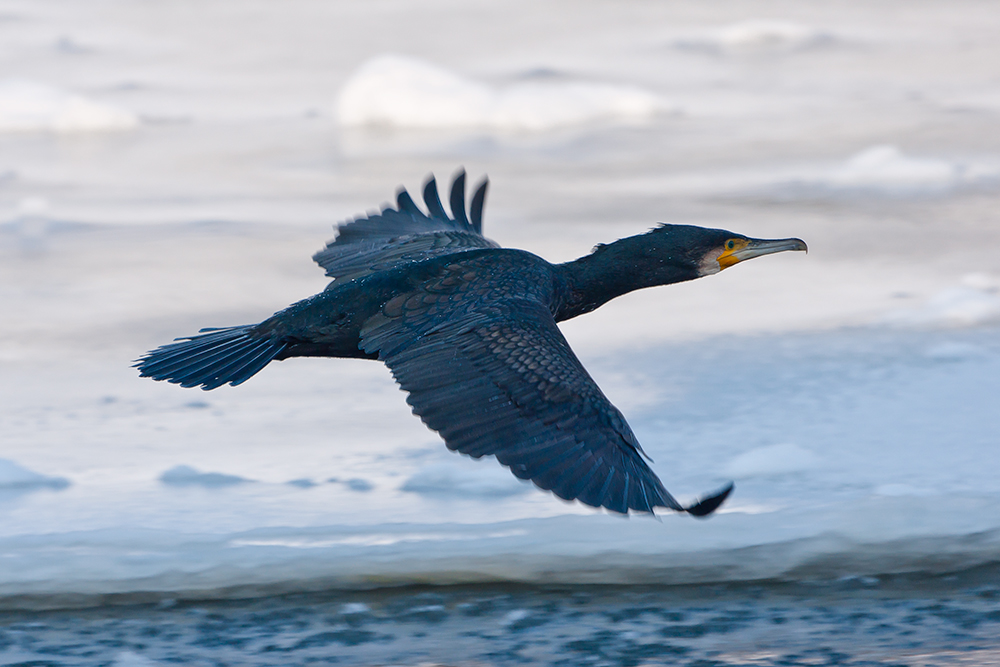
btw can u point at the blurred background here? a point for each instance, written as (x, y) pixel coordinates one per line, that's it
(171, 166)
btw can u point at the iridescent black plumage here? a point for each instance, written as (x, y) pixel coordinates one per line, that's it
(468, 329)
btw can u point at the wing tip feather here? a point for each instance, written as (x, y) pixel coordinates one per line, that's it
(706, 505)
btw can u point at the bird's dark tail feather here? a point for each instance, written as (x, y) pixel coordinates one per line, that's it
(210, 359)
(709, 504)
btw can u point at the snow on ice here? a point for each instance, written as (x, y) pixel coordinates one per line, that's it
(29, 106)
(758, 36)
(407, 92)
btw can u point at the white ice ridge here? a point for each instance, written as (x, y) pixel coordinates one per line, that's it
(406, 92)
(885, 167)
(880, 170)
(886, 170)
(29, 106)
(17, 477)
(974, 302)
(758, 35)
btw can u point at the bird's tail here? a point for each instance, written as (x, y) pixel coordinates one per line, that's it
(211, 359)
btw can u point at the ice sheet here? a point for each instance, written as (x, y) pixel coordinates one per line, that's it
(850, 392)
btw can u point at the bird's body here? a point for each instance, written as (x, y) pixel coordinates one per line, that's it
(330, 323)
(469, 330)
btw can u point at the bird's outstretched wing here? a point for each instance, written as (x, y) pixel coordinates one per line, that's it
(501, 380)
(405, 234)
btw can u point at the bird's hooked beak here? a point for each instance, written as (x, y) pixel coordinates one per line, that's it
(740, 250)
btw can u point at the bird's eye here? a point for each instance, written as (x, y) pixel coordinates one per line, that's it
(731, 244)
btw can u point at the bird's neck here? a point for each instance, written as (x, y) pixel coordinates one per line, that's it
(618, 268)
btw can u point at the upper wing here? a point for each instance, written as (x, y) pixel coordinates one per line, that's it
(502, 380)
(401, 235)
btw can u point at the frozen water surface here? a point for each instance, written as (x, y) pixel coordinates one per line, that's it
(169, 166)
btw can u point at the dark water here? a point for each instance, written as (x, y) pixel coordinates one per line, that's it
(912, 620)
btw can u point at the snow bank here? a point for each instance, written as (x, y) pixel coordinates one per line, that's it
(27, 106)
(407, 92)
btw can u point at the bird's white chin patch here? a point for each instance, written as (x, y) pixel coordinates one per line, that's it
(709, 265)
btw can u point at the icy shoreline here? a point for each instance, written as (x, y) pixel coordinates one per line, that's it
(273, 561)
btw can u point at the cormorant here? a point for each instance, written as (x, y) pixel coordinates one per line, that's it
(468, 329)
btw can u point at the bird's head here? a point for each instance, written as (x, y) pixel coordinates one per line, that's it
(665, 255)
(736, 248)
(708, 251)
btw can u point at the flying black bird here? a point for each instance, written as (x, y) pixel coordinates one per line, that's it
(468, 329)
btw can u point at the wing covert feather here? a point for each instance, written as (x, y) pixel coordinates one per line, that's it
(501, 380)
